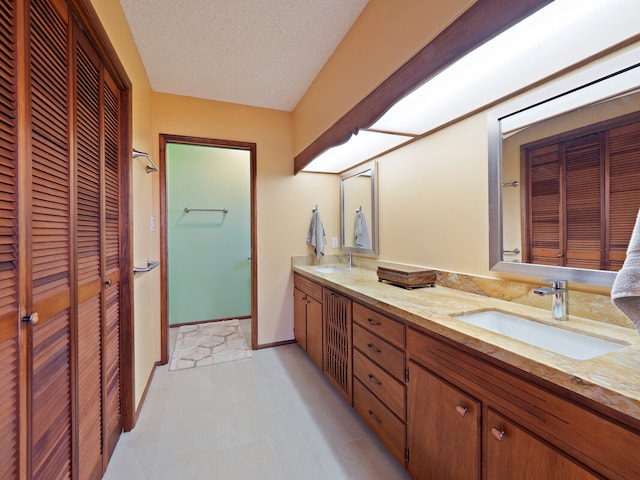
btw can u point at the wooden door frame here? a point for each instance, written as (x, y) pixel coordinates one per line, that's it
(164, 251)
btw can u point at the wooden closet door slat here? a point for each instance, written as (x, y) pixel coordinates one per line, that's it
(9, 344)
(49, 253)
(88, 257)
(112, 225)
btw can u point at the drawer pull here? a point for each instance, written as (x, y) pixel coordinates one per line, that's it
(373, 348)
(374, 379)
(375, 417)
(497, 434)
(462, 410)
(373, 322)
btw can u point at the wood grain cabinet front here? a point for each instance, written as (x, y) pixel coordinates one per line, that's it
(307, 317)
(528, 431)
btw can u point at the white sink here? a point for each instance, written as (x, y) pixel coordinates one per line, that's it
(564, 342)
(330, 269)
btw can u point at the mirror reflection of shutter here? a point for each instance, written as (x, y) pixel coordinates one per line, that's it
(543, 208)
(48, 256)
(9, 314)
(624, 187)
(89, 268)
(111, 348)
(583, 200)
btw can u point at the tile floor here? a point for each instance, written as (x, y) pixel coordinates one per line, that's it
(274, 416)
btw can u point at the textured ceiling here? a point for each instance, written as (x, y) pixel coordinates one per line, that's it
(262, 53)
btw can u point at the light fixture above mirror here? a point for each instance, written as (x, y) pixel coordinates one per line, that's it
(510, 62)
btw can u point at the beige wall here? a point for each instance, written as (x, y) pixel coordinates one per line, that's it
(146, 307)
(384, 37)
(284, 202)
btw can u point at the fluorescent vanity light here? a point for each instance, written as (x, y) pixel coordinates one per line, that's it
(360, 147)
(541, 45)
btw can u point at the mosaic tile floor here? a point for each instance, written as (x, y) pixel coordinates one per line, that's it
(209, 344)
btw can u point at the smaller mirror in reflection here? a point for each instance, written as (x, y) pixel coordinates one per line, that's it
(358, 209)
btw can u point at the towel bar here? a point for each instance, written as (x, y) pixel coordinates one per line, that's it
(151, 264)
(187, 209)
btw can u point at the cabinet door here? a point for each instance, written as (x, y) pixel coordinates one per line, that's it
(314, 330)
(443, 429)
(513, 453)
(300, 317)
(337, 341)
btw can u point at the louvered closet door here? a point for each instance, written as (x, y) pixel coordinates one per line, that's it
(89, 259)
(49, 280)
(544, 233)
(583, 200)
(111, 250)
(9, 346)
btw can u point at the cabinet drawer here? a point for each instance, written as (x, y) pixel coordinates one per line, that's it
(384, 386)
(391, 330)
(307, 286)
(390, 430)
(384, 354)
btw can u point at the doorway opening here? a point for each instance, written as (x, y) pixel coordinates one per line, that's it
(208, 233)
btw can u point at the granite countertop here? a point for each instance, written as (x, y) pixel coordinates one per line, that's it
(612, 379)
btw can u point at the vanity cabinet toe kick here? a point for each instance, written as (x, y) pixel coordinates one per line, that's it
(446, 411)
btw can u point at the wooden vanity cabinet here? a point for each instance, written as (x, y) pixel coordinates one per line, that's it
(444, 431)
(512, 452)
(526, 431)
(307, 317)
(379, 394)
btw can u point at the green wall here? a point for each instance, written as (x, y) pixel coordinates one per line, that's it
(209, 266)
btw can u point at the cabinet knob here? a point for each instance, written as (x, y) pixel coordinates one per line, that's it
(31, 319)
(108, 283)
(374, 379)
(375, 417)
(374, 349)
(462, 410)
(497, 434)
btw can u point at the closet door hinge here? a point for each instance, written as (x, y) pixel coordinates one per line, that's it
(406, 375)
(406, 457)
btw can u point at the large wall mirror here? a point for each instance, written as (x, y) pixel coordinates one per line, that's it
(359, 209)
(565, 174)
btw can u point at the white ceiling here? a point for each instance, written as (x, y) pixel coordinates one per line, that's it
(263, 53)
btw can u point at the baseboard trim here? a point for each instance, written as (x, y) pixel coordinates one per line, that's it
(176, 325)
(275, 344)
(144, 394)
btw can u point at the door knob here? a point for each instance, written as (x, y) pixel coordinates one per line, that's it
(108, 283)
(31, 319)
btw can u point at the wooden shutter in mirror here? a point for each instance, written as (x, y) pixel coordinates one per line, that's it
(583, 202)
(544, 210)
(9, 314)
(623, 146)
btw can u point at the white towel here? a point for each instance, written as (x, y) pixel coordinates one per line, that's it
(316, 237)
(625, 292)
(361, 231)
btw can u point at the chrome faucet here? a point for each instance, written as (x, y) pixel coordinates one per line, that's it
(349, 258)
(560, 306)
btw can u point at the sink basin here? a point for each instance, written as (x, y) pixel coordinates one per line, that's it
(329, 269)
(570, 344)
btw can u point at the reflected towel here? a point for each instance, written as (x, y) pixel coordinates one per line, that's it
(625, 292)
(361, 231)
(316, 237)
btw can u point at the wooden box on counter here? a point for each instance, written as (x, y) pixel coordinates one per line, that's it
(407, 277)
